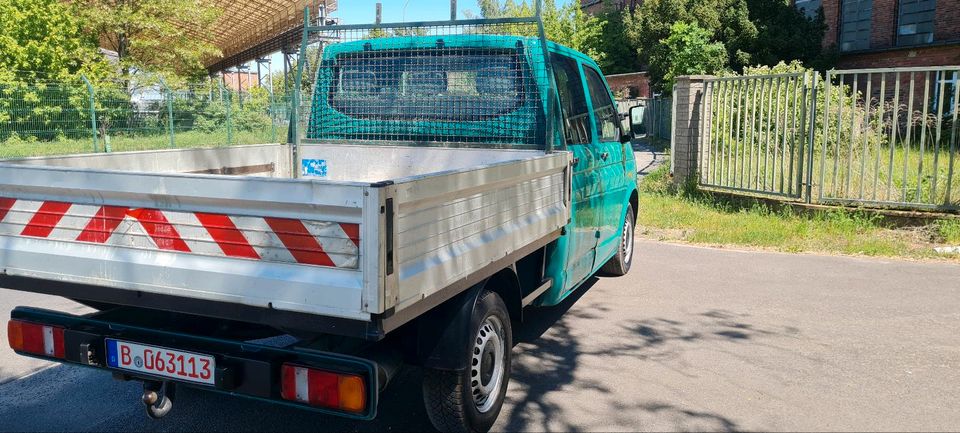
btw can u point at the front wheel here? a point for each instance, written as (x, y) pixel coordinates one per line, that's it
(619, 264)
(470, 400)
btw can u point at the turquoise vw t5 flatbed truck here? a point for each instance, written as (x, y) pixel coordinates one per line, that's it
(436, 184)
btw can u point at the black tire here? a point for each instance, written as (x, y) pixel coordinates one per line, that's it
(619, 264)
(449, 395)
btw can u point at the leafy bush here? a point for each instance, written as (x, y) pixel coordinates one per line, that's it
(688, 51)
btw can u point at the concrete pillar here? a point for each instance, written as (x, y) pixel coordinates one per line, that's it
(691, 117)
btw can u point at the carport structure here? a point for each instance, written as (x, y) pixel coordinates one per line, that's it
(251, 29)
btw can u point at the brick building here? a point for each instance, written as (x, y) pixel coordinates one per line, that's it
(243, 81)
(630, 85)
(890, 33)
(596, 6)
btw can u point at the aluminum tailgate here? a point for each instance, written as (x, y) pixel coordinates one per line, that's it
(291, 245)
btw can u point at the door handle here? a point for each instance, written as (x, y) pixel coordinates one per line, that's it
(604, 155)
(574, 162)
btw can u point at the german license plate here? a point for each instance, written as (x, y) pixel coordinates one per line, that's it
(160, 361)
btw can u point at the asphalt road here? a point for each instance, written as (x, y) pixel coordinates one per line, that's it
(693, 339)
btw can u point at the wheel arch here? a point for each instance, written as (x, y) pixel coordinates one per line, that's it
(441, 334)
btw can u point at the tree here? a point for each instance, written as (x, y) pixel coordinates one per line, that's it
(566, 25)
(44, 39)
(688, 50)
(727, 21)
(163, 36)
(784, 33)
(620, 56)
(752, 31)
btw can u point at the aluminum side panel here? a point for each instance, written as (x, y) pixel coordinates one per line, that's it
(451, 225)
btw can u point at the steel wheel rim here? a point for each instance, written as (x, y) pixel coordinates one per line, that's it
(627, 241)
(487, 362)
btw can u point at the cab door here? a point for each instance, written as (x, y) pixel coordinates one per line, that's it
(611, 165)
(586, 191)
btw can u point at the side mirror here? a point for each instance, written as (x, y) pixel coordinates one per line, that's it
(636, 120)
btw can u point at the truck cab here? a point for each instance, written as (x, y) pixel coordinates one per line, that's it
(604, 190)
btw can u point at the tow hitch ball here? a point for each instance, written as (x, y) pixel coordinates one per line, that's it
(158, 398)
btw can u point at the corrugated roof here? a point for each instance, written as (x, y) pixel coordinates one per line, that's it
(247, 24)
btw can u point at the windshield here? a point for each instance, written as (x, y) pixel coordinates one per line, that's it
(426, 86)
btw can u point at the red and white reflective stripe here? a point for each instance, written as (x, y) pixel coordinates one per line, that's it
(320, 243)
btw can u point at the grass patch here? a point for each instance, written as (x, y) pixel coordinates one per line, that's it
(949, 231)
(690, 215)
(19, 148)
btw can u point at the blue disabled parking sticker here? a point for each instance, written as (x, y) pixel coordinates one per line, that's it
(314, 167)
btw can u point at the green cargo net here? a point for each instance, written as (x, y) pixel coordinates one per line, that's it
(452, 85)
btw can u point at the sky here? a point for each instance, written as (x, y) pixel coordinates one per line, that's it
(364, 12)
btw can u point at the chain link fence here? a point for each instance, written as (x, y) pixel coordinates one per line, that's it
(57, 117)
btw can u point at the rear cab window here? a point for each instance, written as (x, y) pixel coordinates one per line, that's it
(573, 102)
(461, 91)
(426, 86)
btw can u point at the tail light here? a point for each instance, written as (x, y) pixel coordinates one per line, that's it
(346, 392)
(35, 339)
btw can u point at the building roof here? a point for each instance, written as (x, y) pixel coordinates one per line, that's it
(248, 29)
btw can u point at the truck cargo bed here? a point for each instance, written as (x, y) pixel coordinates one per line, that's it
(366, 233)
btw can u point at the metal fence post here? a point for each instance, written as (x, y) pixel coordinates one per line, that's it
(294, 133)
(169, 96)
(93, 111)
(273, 116)
(227, 102)
(811, 137)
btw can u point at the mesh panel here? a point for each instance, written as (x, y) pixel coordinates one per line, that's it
(464, 84)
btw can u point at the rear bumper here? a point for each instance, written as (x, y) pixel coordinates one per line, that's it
(280, 319)
(243, 369)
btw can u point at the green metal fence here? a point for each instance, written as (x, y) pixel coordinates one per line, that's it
(885, 137)
(55, 117)
(757, 133)
(890, 138)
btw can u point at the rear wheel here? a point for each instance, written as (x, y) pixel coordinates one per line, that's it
(619, 264)
(470, 400)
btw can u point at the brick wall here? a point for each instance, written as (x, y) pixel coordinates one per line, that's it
(884, 51)
(635, 84)
(244, 81)
(831, 14)
(906, 57)
(597, 6)
(883, 28)
(947, 21)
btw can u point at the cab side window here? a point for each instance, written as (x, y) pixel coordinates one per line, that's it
(573, 102)
(604, 110)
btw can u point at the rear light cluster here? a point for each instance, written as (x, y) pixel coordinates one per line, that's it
(35, 339)
(346, 392)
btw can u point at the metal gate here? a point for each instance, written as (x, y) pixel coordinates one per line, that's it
(889, 138)
(756, 134)
(867, 137)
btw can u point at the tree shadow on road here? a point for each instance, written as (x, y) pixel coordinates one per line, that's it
(559, 358)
